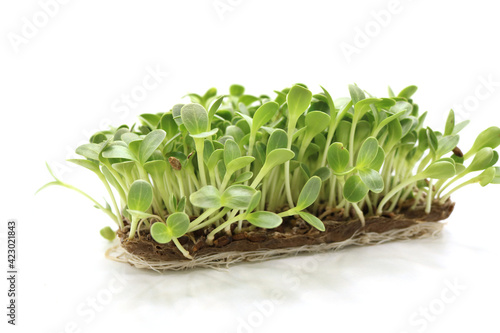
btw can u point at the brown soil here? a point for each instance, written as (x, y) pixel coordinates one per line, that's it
(293, 232)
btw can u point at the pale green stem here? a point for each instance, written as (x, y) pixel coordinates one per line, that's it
(199, 153)
(113, 200)
(341, 203)
(406, 194)
(210, 237)
(133, 227)
(444, 198)
(395, 190)
(251, 143)
(369, 204)
(209, 221)
(202, 218)
(395, 201)
(122, 186)
(417, 199)
(351, 141)
(429, 198)
(332, 198)
(98, 205)
(288, 191)
(424, 162)
(456, 178)
(181, 248)
(360, 214)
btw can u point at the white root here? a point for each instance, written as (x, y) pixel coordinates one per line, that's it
(224, 259)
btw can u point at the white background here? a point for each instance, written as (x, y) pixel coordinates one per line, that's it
(64, 80)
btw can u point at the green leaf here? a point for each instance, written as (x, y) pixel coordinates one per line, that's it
(362, 107)
(231, 151)
(124, 168)
(450, 124)
(206, 134)
(239, 163)
(237, 196)
(439, 170)
(92, 166)
(387, 120)
(408, 92)
(496, 179)
(247, 118)
(181, 205)
(140, 196)
(309, 193)
(407, 125)
(277, 157)
(216, 156)
(89, 150)
(150, 120)
(150, 143)
(432, 140)
(195, 118)
(254, 202)
(206, 197)
(118, 151)
(260, 152)
(243, 177)
(108, 233)
(263, 115)
(338, 157)
(156, 168)
(324, 173)
(221, 169)
(247, 99)
(356, 94)
(210, 93)
(236, 132)
(213, 109)
(316, 122)
(367, 152)
(372, 179)
(176, 113)
(236, 90)
(395, 133)
(312, 220)
(265, 220)
(168, 124)
(331, 104)
(277, 140)
(484, 158)
(486, 177)
(129, 137)
(390, 92)
(354, 189)
(447, 144)
(177, 224)
(100, 137)
(378, 160)
(298, 100)
(160, 233)
(342, 132)
(488, 138)
(207, 150)
(363, 130)
(460, 126)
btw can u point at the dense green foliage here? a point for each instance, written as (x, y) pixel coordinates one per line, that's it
(252, 160)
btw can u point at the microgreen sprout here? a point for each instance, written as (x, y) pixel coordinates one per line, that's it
(253, 161)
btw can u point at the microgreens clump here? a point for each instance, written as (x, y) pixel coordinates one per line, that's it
(253, 160)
